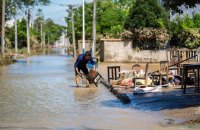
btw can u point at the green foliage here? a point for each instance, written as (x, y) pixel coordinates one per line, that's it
(150, 38)
(185, 31)
(160, 23)
(21, 34)
(52, 30)
(33, 2)
(179, 24)
(146, 13)
(20, 5)
(148, 22)
(110, 19)
(189, 38)
(196, 20)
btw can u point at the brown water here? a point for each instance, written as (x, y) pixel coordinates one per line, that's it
(39, 93)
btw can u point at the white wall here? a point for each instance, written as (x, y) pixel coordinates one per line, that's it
(117, 50)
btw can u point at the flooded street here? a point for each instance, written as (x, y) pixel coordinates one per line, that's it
(40, 93)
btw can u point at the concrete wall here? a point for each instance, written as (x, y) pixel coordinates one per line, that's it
(117, 50)
(88, 46)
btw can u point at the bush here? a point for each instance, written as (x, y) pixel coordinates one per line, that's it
(185, 31)
(150, 38)
(189, 38)
(146, 13)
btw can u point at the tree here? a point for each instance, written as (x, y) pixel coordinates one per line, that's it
(73, 31)
(28, 3)
(3, 27)
(109, 16)
(50, 28)
(21, 33)
(20, 4)
(53, 30)
(148, 22)
(146, 13)
(94, 28)
(196, 20)
(185, 31)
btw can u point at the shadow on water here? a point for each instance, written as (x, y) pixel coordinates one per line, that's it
(72, 86)
(164, 101)
(83, 128)
(158, 101)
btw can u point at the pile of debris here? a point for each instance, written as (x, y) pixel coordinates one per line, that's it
(148, 38)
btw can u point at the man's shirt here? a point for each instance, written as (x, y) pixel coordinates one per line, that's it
(81, 62)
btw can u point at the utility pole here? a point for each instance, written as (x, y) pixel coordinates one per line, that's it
(83, 39)
(33, 22)
(48, 41)
(28, 30)
(3, 27)
(73, 32)
(63, 40)
(16, 38)
(44, 43)
(94, 29)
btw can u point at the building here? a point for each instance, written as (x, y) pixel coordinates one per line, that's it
(63, 41)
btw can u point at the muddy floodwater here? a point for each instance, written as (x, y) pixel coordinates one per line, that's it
(39, 93)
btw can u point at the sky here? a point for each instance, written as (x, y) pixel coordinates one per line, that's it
(57, 9)
(189, 11)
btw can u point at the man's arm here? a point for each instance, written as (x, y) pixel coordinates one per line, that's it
(76, 64)
(78, 71)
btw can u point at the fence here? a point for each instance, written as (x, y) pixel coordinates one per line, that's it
(184, 55)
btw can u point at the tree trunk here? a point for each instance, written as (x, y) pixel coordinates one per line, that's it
(28, 30)
(16, 39)
(41, 33)
(73, 32)
(3, 27)
(83, 39)
(94, 29)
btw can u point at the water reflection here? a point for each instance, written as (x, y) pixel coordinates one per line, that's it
(85, 94)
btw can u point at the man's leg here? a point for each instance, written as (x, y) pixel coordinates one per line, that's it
(85, 71)
(77, 78)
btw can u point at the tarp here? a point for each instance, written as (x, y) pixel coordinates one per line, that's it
(138, 90)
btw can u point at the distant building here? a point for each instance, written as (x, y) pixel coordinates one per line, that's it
(63, 41)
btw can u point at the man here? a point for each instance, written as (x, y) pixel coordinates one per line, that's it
(80, 64)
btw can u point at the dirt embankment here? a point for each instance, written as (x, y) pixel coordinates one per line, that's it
(6, 60)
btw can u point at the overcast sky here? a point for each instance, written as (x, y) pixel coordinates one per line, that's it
(57, 12)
